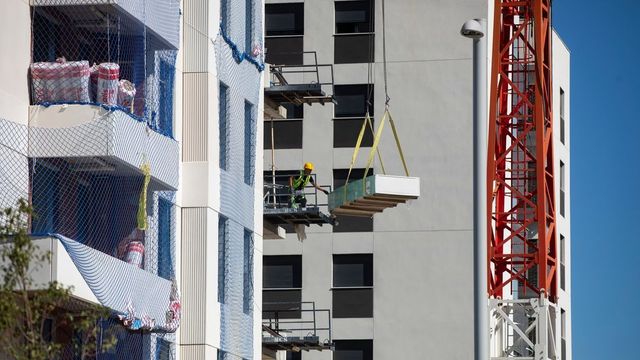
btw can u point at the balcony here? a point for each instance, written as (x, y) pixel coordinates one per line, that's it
(95, 140)
(102, 87)
(97, 278)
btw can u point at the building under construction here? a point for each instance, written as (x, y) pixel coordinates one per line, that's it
(159, 141)
(399, 284)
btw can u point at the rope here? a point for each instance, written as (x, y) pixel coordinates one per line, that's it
(384, 59)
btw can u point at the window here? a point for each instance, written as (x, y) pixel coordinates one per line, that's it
(354, 38)
(350, 223)
(287, 134)
(223, 235)
(352, 286)
(248, 29)
(563, 333)
(165, 111)
(247, 298)
(224, 15)
(223, 113)
(562, 188)
(349, 114)
(282, 286)
(292, 355)
(45, 197)
(284, 25)
(249, 143)
(562, 114)
(562, 261)
(165, 248)
(353, 350)
(163, 349)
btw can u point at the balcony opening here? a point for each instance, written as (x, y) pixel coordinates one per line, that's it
(101, 55)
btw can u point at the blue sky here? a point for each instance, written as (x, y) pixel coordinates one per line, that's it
(605, 174)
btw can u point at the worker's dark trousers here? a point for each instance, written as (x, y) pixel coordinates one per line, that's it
(301, 200)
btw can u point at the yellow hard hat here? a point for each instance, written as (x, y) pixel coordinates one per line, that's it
(308, 166)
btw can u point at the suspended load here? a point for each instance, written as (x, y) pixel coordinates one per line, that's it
(372, 194)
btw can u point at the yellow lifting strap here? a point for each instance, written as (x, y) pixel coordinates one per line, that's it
(356, 150)
(376, 141)
(142, 204)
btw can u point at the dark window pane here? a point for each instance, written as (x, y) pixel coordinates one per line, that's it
(247, 298)
(352, 303)
(284, 50)
(284, 19)
(353, 350)
(353, 270)
(249, 143)
(224, 15)
(352, 100)
(346, 132)
(287, 134)
(281, 304)
(291, 355)
(222, 257)
(282, 271)
(223, 108)
(294, 111)
(350, 223)
(357, 48)
(165, 249)
(354, 16)
(248, 36)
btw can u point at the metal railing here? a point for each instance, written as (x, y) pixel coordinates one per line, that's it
(278, 193)
(276, 316)
(280, 72)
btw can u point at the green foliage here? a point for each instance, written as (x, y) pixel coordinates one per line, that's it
(27, 307)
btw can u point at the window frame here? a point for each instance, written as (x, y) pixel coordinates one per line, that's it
(297, 33)
(296, 265)
(365, 288)
(367, 352)
(298, 133)
(369, 36)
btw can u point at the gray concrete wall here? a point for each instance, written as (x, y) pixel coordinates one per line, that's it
(422, 250)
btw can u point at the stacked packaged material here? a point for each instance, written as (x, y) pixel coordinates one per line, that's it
(108, 74)
(60, 81)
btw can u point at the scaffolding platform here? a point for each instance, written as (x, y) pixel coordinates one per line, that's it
(306, 216)
(296, 326)
(290, 84)
(279, 211)
(372, 195)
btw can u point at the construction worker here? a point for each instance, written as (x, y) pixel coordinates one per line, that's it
(297, 185)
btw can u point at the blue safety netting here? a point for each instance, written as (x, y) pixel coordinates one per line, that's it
(85, 52)
(239, 65)
(87, 179)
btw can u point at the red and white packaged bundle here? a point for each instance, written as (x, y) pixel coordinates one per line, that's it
(108, 74)
(126, 94)
(135, 253)
(60, 81)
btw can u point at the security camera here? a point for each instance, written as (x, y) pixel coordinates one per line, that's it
(472, 29)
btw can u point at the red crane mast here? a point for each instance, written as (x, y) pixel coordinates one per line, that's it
(521, 202)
